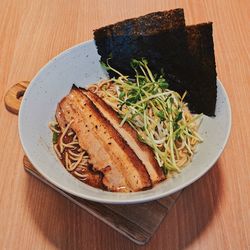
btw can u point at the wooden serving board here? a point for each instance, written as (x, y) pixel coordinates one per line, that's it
(137, 222)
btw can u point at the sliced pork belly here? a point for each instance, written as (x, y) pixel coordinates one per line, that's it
(143, 151)
(109, 153)
(60, 117)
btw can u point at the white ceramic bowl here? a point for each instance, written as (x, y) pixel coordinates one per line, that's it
(80, 65)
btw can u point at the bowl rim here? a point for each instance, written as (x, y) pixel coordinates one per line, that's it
(115, 201)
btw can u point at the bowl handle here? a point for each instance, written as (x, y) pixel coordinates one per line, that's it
(13, 96)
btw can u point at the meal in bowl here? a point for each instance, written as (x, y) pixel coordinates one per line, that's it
(129, 132)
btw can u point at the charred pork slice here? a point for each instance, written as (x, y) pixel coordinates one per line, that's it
(109, 153)
(143, 151)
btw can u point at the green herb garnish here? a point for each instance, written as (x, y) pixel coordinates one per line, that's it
(154, 111)
(55, 137)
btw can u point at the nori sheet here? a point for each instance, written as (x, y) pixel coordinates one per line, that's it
(185, 54)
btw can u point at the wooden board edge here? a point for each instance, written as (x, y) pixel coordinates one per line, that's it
(94, 209)
(80, 204)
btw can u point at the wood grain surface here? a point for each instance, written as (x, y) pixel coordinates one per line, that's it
(213, 213)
